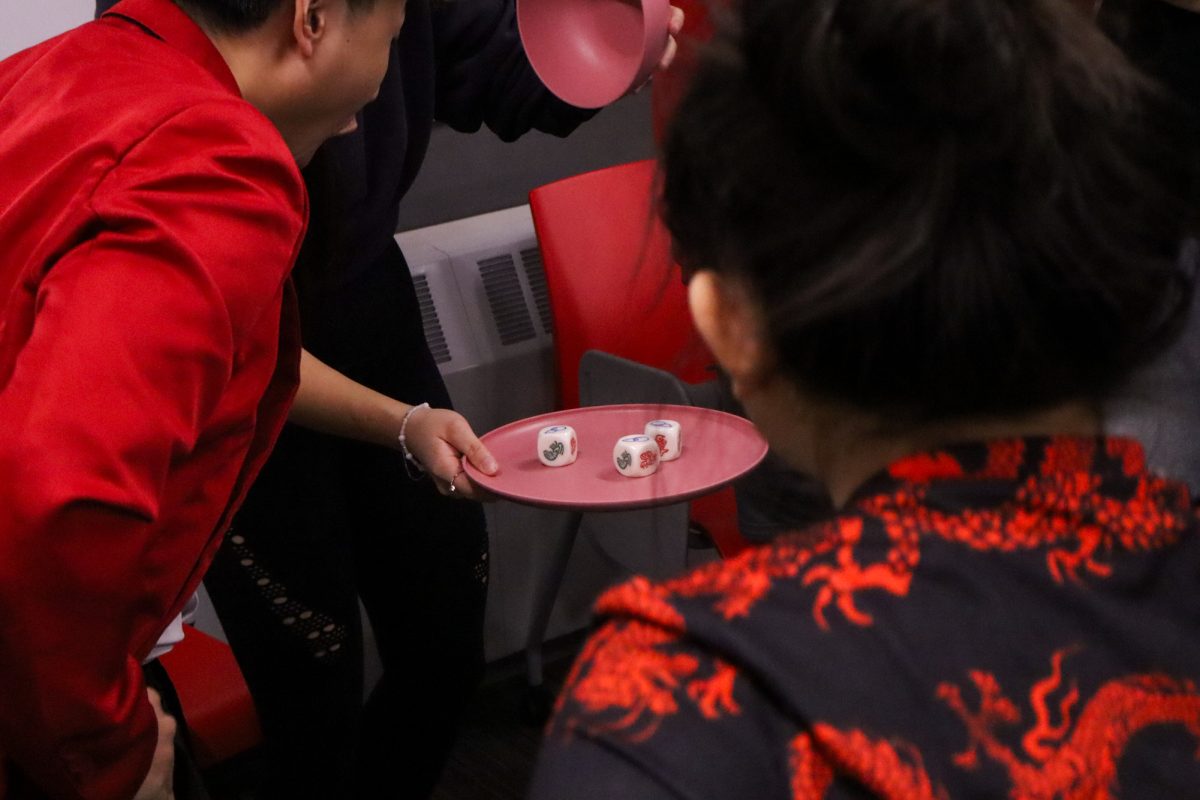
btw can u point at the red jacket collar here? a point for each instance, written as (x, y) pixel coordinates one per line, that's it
(168, 22)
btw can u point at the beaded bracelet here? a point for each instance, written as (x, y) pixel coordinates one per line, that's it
(410, 460)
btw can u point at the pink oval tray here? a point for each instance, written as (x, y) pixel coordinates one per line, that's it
(717, 449)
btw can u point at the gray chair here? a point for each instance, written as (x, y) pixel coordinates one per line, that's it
(605, 379)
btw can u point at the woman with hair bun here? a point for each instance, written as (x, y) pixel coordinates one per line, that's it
(929, 238)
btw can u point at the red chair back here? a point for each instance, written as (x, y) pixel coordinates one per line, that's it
(612, 283)
(221, 718)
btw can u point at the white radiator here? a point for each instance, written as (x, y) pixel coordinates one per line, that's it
(486, 314)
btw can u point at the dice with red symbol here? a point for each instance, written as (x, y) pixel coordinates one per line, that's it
(636, 456)
(668, 435)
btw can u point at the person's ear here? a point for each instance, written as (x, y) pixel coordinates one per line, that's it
(731, 325)
(310, 24)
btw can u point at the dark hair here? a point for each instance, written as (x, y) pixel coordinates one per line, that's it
(945, 207)
(236, 16)
(1163, 40)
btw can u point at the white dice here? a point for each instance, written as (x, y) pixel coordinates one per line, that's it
(557, 446)
(636, 456)
(668, 435)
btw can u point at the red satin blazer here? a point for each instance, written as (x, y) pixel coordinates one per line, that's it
(149, 350)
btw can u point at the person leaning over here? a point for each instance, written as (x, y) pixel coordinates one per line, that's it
(929, 240)
(150, 212)
(335, 516)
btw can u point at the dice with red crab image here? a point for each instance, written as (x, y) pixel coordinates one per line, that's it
(636, 456)
(669, 436)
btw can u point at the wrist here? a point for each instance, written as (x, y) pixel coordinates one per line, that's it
(411, 463)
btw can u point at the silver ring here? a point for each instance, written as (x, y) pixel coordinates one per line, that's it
(454, 488)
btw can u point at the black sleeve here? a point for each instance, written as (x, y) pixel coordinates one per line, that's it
(484, 77)
(104, 5)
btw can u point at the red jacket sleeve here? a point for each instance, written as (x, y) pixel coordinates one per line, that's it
(134, 334)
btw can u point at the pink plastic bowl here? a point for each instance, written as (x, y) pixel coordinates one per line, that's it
(592, 52)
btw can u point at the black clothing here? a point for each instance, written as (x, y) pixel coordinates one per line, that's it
(417, 559)
(460, 62)
(328, 515)
(1015, 619)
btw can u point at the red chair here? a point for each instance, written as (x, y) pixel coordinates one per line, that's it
(220, 715)
(613, 286)
(607, 255)
(620, 311)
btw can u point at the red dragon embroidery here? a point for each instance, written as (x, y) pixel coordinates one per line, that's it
(817, 758)
(1061, 761)
(629, 671)
(1061, 510)
(1048, 511)
(622, 667)
(738, 583)
(625, 670)
(1078, 764)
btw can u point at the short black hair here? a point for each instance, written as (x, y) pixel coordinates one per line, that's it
(236, 16)
(945, 208)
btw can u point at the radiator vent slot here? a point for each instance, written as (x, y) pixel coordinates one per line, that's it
(434, 335)
(506, 299)
(535, 274)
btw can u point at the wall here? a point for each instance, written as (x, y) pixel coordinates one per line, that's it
(469, 174)
(27, 22)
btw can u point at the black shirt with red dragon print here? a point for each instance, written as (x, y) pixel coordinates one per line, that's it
(1018, 618)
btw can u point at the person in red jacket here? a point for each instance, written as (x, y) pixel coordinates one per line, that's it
(150, 212)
